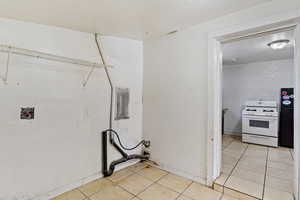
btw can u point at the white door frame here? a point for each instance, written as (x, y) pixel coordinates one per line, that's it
(297, 112)
(214, 136)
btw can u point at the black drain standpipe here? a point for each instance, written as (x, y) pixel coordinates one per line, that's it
(125, 157)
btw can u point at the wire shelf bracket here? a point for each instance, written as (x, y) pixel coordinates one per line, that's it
(41, 55)
(4, 78)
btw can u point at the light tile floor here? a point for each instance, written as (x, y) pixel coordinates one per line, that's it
(258, 171)
(143, 182)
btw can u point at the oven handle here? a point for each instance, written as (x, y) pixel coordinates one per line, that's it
(260, 137)
(261, 119)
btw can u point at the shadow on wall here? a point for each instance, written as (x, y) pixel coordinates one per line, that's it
(232, 123)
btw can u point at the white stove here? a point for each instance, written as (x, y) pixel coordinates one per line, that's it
(260, 123)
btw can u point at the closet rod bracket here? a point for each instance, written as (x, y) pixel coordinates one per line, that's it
(88, 76)
(5, 78)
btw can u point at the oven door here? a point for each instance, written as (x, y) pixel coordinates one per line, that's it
(260, 125)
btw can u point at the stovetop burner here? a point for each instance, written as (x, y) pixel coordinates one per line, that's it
(261, 108)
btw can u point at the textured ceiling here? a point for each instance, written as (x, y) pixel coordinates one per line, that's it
(257, 49)
(137, 19)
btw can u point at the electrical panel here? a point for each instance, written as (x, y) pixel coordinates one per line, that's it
(122, 103)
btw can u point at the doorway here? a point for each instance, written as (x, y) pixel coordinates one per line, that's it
(215, 74)
(253, 75)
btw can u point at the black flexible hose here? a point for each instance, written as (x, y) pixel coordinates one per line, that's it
(123, 147)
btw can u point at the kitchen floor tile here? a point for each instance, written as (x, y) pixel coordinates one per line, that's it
(245, 186)
(152, 173)
(257, 147)
(183, 198)
(112, 193)
(158, 192)
(222, 178)
(279, 184)
(226, 169)
(228, 159)
(95, 186)
(71, 195)
(258, 161)
(174, 182)
(235, 151)
(135, 184)
(226, 197)
(280, 165)
(245, 166)
(249, 175)
(282, 174)
(137, 167)
(238, 195)
(274, 194)
(119, 175)
(200, 192)
(251, 167)
(280, 156)
(256, 166)
(218, 188)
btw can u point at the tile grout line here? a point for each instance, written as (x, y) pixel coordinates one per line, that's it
(86, 197)
(133, 195)
(156, 182)
(151, 183)
(230, 174)
(228, 145)
(223, 194)
(267, 162)
(223, 191)
(185, 189)
(291, 155)
(223, 186)
(248, 195)
(136, 172)
(233, 140)
(115, 183)
(169, 188)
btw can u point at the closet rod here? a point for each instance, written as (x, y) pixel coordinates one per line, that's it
(37, 54)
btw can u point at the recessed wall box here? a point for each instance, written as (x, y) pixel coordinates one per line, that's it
(122, 103)
(27, 113)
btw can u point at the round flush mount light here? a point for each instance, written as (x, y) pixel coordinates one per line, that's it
(278, 44)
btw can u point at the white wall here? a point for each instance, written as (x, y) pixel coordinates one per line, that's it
(61, 148)
(253, 81)
(176, 90)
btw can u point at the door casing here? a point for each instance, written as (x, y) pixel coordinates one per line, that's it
(214, 136)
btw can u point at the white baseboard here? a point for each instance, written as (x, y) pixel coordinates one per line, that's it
(85, 180)
(60, 190)
(236, 133)
(181, 173)
(68, 187)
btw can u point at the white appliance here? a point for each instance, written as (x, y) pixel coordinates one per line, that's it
(260, 123)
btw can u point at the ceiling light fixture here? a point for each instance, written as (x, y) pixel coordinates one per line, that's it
(278, 44)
